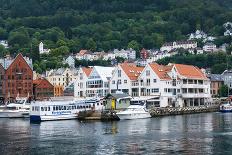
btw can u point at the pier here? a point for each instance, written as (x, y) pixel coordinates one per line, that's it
(182, 110)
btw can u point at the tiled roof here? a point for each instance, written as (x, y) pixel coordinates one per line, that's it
(36, 82)
(87, 70)
(83, 52)
(190, 71)
(161, 71)
(131, 70)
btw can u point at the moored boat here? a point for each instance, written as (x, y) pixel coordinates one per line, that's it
(134, 112)
(61, 110)
(18, 109)
(226, 107)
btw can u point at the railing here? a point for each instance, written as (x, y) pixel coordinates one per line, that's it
(135, 93)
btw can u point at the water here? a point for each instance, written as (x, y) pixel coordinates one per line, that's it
(209, 133)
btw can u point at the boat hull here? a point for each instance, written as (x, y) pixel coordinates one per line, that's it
(225, 111)
(13, 114)
(38, 118)
(133, 116)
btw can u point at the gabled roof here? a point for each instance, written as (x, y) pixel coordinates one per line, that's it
(104, 72)
(87, 70)
(39, 81)
(131, 70)
(161, 71)
(190, 71)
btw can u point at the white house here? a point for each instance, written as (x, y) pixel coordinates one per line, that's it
(70, 61)
(126, 54)
(178, 44)
(109, 56)
(43, 50)
(125, 79)
(97, 83)
(174, 85)
(80, 82)
(209, 47)
(198, 35)
(4, 43)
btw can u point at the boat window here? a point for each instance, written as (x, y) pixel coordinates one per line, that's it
(32, 108)
(45, 108)
(80, 107)
(48, 108)
(97, 103)
(64, 107)
(54, 108)
(57, 108)
(42, 109)
(60, 108)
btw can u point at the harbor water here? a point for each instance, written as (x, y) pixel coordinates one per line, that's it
(205, 133)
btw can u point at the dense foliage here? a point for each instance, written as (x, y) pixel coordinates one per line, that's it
(66, 26)
(218, 62)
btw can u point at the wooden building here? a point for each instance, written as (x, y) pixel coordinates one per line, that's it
(42, 89)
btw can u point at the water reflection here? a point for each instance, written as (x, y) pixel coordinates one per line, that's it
(209, 133)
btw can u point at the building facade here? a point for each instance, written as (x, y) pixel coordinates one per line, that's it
(2, 82)
(216, 82)
(61, 78)
(18, 78)
(42, 89)
(80, 83)
(178, 44)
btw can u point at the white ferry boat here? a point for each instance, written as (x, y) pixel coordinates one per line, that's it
(18, 109)
(61, 110)
(134, 112)
(226, 107)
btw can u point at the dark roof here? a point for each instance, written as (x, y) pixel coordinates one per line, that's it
(117, 95)
(215, 77)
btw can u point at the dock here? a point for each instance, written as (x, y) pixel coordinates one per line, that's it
(155, 112)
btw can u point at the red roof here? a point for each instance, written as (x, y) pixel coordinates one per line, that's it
(190, 71)
(161, 71)
(131, 70)
(87, 70)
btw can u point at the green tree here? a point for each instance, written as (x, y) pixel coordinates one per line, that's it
(223, 91)
(91, 45)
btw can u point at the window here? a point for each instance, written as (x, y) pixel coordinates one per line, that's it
(125, 81)
(113, 82)
(154, 80)
(147, 73)
(119, 82)
(155, 90)
(119, 73)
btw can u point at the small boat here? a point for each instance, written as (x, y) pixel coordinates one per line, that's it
(61, 110)
(134, 112)
(226, 107)
(18, 109)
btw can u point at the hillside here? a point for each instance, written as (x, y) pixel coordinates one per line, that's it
(70, 25)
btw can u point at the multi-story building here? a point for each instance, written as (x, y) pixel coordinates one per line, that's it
(144, 54)
(125, 79)
(70, 61)
(216, 82)
(42, 89)
(209, 47)
(97, 83)
(80, 83)
(227, 78)
(175, 85)
(178, 44)
(18, 77)
(61, 78)
(2, 82)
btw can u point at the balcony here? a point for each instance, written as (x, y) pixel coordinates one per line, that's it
(133, 94)
(198, 95)
(134, 84)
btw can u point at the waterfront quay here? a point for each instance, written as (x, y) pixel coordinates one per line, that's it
(202, 133)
